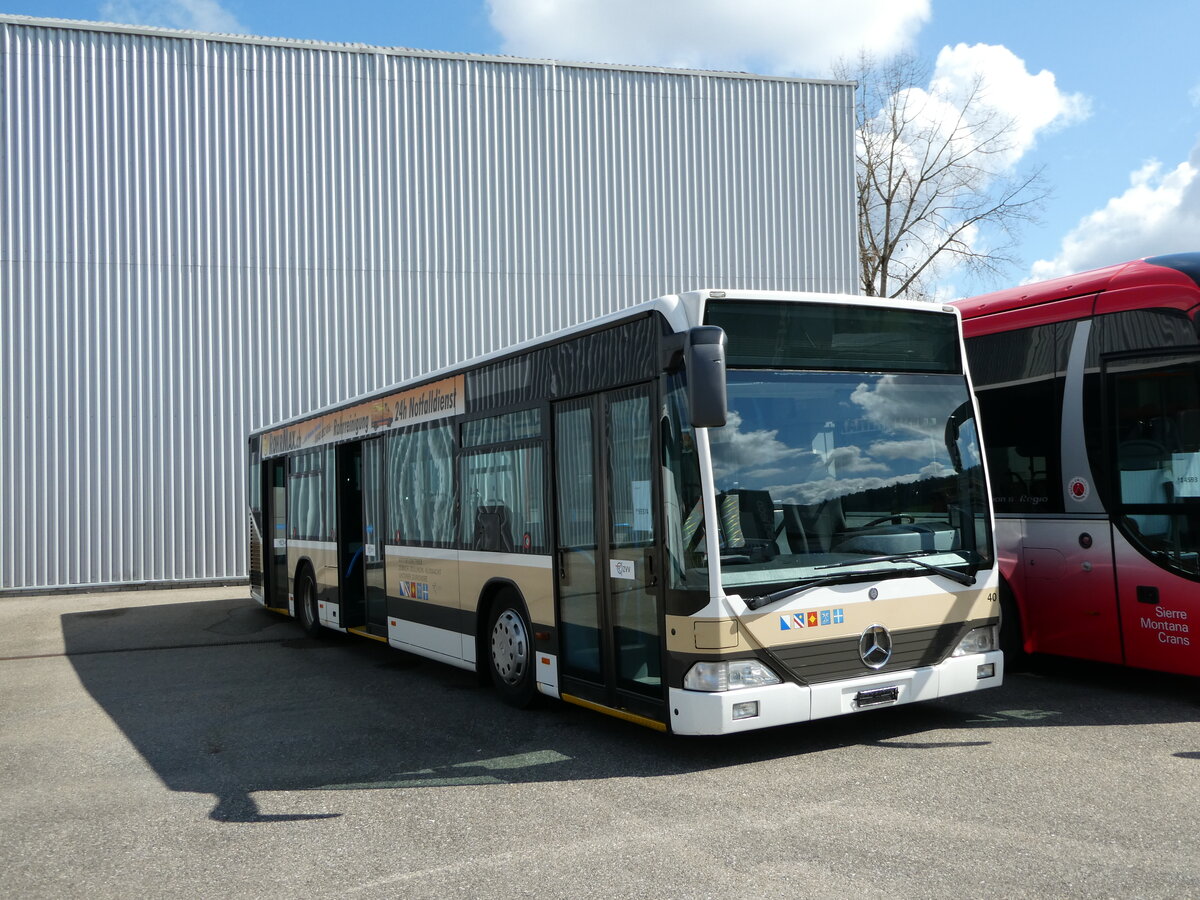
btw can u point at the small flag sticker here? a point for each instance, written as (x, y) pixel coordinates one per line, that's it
(839, 616)
(414, 590)
(813, 622)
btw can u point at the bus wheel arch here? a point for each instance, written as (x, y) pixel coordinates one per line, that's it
(1012, 630)
(308, 611)
(505, 643)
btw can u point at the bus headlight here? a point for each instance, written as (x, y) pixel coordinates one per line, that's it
(729, 675)
(977, 640)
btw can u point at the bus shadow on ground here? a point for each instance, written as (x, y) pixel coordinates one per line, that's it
(226, 699)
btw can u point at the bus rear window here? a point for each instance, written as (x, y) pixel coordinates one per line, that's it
(827, 336)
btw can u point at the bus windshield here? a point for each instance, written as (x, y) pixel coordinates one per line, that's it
(823, 475)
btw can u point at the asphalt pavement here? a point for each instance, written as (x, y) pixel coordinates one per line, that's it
(188, 743)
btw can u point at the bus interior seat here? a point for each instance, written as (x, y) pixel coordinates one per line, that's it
(821, 523)
(493, 531)
(748, 519)
(792, 529)
(1141, 455)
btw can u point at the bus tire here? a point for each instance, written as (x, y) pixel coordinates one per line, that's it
(307, 610)
(510, 650)
(1012, 642)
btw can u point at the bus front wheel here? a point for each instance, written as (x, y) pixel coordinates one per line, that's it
(510, 651)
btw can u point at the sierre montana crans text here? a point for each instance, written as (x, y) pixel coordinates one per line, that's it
(1170, 624)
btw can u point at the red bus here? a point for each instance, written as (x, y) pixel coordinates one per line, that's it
(1089, 397)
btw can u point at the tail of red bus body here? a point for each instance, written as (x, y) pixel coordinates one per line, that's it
(1111, 605)
(1097, 495)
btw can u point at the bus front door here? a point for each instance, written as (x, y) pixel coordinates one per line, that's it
(609, 597)
(1153, 400)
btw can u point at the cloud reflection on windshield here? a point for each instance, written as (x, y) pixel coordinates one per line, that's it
(896, 434)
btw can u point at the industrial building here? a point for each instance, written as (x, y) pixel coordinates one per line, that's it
(202, 234)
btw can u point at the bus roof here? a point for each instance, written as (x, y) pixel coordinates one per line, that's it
(681, 311)
(1175, 269)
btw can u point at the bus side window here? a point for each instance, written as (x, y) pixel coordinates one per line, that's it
(1022, 447)
(1019, 384)
(306, 497)
(421, 486)
(1121, 332)
(503, 499)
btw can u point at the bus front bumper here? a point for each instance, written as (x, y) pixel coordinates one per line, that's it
(699, 712)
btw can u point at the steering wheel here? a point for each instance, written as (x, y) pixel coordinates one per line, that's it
(894, 518)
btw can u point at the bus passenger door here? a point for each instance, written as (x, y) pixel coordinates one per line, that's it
(610, 607)
(577, 552)
(351, 581)
(1153, 406)
(373, 537)
(275, 539)
(259, 553)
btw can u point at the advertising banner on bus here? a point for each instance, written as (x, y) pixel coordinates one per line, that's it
(438, 400)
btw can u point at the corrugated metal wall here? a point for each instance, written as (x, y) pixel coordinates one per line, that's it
(205, 234)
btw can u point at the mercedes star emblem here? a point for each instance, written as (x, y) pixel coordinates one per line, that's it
(875, 646)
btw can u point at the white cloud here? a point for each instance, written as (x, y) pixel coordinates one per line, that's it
(190, 15)
(1158, 213)
(1032, 103)
(781, 37)
(918, 449)
(851, 459)
(981, 103)
(759, 474)
(895, 408)
(936, 469)
(748, 450)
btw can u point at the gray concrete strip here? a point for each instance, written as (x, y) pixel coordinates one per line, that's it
(191, 744)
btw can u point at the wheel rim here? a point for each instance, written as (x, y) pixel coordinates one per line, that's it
(307, 606)
(510, 647)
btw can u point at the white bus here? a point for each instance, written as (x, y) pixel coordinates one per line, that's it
(712, 512)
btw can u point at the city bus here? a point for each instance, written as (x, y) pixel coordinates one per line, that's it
(712, 512)
(1089, 393)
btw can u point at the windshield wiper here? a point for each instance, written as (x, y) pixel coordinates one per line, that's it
(964, 578)
(759, 602)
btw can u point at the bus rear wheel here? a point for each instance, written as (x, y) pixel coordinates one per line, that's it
(306, 603)
(510, 651)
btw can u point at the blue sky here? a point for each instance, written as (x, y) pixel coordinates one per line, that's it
(1107, 93)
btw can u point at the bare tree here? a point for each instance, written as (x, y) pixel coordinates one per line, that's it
(934, 177)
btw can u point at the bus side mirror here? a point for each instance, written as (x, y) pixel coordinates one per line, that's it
(953, 428)
(705, 362)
